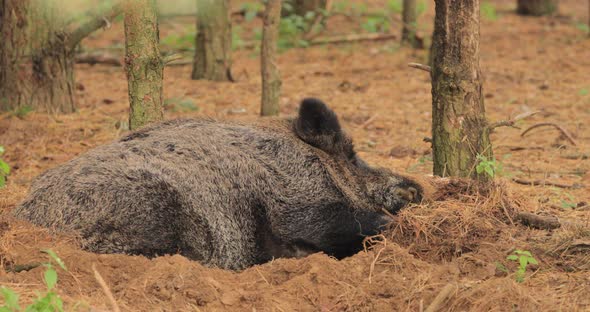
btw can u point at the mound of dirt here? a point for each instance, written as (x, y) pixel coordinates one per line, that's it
(449, 252)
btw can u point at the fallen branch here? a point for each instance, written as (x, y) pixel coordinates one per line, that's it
(105, 289)
(98, 58)
(538, 222)
(511, 122)
(546, 183)
(352, 38)
(558, 127)
(442, 297)
(420, 66)
(17, 268)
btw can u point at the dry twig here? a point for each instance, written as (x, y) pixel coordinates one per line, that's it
(420, 66)
(511, 122)
(106, 289)
(442, 297)
(558, 127)
(546, 183)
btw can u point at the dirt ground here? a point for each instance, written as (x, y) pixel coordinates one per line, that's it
(452, 247)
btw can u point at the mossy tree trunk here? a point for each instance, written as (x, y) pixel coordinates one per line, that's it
(213, 41)
(143, 63)
(536, 7)
(459, 127)
(409, 20)
(13, 33)
(271, 78)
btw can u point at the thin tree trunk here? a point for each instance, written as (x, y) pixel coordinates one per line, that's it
(145, 70)
(213, 41)
(409, 16)
(536, 7)
(459, 126)
(271, 78)
(13, 33)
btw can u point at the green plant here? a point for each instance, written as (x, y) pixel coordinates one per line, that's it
(524, 258)
(22, 111)
(251, 10)
(47, 302)
(180, 104)
(488, 11)
(584, 92)
(583, 27)
(490, 166)
(568, 203)
(4, 168)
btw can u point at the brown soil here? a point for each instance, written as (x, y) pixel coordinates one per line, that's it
(454, 241)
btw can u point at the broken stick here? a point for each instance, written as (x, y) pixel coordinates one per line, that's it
(546, 183)
(538, 222)
(558, 127)
(420, 66)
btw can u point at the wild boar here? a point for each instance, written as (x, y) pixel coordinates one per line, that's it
(227, 194)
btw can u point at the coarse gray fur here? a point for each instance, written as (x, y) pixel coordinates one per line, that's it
(227, 194)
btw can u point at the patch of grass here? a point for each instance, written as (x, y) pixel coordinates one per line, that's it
(583, 27)
(524, 258)
(49, 301)
(488, 11)
(4, 168)
(180, 104)
(23, 111)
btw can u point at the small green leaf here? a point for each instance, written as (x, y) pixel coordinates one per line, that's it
(50, 278)
(523, 261)
(490, 171)
(512, 257)
(4, 168)
(55, 258)
(533, 261)
(2, 180)
(584, 92)
(2, 150)
(10, 299)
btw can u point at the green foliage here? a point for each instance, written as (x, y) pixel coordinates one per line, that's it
(569, 203)
(488, 11)
(48, 302)
(524, 258)
(184, 41)
(4, 169)
(291, 30)
(489, 166)
(583, 27)
(251, 10)
(179, 104)
(22, 111)
(584, 92)
(395, 6)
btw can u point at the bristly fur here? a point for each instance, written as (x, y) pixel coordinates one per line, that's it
(227, 194)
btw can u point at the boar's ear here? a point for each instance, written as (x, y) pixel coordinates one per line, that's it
(318, 126)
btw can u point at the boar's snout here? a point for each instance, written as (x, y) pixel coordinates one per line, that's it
(397, 193)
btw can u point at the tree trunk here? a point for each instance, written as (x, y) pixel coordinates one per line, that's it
(143, 63)
(13, 31)
(536, 7)
(271, 78)
(213, 41)
(409, 26)
(459, 127)
(52, 57)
